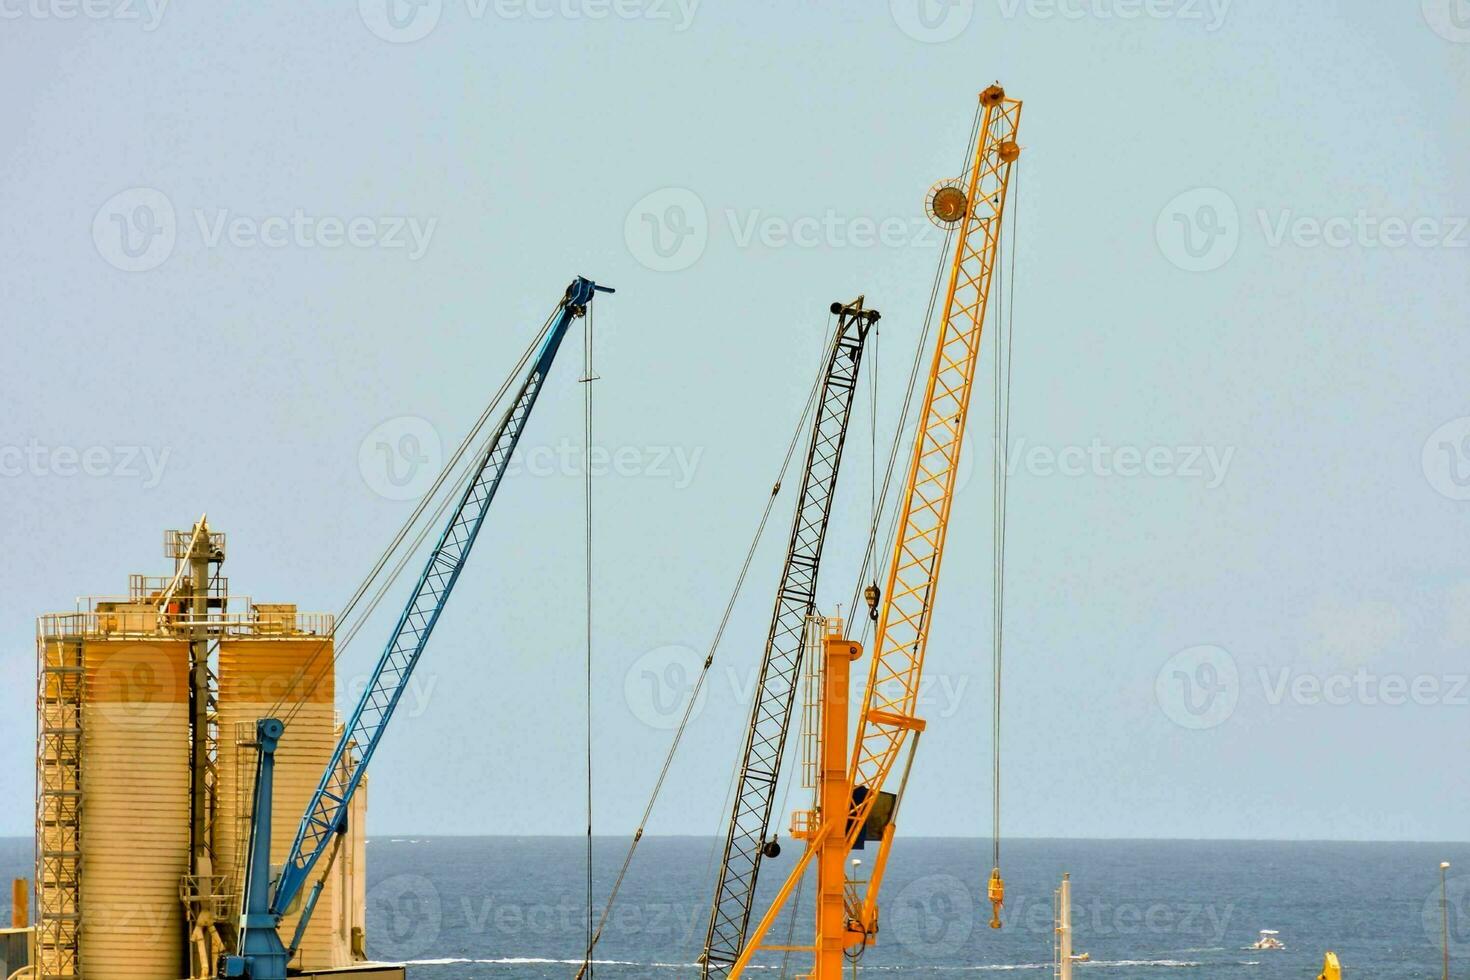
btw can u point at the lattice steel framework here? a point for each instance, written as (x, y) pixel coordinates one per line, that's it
(891, 696)
(58, 803)
(889, 703)
(780, 670)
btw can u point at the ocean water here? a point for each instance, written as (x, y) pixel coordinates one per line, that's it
(500, 908)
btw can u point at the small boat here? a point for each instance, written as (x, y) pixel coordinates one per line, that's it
(1268, 940)
(1081, 957)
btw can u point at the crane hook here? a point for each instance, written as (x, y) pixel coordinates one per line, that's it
(872, 593)
(997, 897)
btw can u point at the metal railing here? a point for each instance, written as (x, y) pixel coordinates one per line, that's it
(140, 623)
(176, 543)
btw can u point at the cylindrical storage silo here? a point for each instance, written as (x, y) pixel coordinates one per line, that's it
(135, 812)
(259, 677)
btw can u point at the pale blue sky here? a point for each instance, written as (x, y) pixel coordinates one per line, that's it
(1306, 401)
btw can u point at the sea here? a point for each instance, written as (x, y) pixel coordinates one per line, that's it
(462, 908)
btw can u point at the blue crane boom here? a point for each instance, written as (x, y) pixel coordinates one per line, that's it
(262, 955)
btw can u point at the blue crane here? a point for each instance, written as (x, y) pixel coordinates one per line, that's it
(261, 955)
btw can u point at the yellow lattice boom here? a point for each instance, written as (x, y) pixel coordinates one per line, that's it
(891, 700)
(974, 205)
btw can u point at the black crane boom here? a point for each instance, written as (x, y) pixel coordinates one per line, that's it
(780, 670)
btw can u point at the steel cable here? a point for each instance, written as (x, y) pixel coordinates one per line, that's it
(699, 683)
(394, 545)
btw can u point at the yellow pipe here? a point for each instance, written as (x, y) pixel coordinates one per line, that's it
(832, 934)
(20, 903)
(875, 882)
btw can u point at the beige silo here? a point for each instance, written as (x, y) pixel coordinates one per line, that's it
(284, 671)
(135, 814)
(117, 882)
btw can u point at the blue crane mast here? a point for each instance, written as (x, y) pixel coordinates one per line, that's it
(261, 954)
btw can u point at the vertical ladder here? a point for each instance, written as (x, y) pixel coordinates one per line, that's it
(59, 687)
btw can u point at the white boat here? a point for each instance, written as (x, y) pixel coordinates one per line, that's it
(1268, 940)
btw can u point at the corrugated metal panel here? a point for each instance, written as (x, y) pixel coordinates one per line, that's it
(135, 815)
(253, 675)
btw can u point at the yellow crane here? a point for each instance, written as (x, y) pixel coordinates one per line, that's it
(852, 804)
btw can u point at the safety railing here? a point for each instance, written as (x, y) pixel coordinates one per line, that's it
(148, 623)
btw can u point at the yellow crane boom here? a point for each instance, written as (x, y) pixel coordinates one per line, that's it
(974, 205)
(902, 638)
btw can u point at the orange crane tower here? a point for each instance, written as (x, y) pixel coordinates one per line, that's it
(852, 803)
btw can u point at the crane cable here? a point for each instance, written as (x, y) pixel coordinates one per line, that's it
(715, 849)
(1005, 327)
(693, 698)
(405, 555)
(588, 377)
(791, 929)
(878, 501)
(403, 532)
(869, 568)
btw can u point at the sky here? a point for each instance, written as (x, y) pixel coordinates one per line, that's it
(269, 261)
